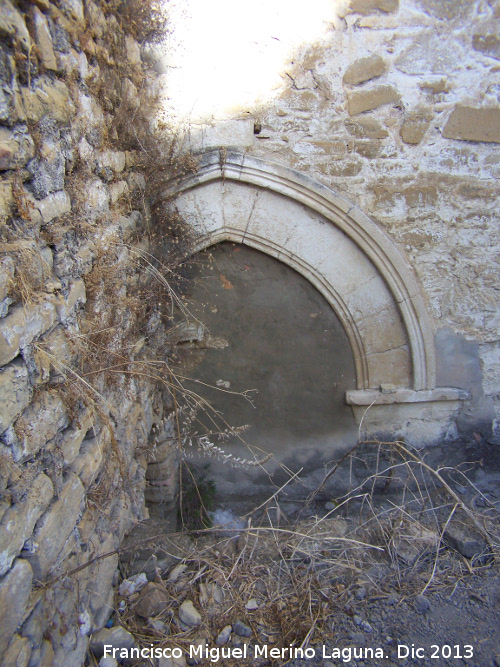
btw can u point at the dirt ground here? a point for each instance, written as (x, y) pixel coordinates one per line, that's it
(402, 570)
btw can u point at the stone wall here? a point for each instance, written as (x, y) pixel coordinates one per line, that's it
(397, 109)
(75, 298)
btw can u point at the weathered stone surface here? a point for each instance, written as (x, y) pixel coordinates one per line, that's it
(38, 424)
(412, 541)
(43, 656)
(153, 600)
(470, 124)
(7, 271)
(415, 126)
(446, 9)
(435, 87)
(117, 637)
(74, 297)
(12, 23)
(189, 614)
(72, 438)
(55, 526)
(224, 635)
(6, 200)
(162, 490)
(465, 539)
(426, 55)
(88, 462)
(117, 190)
(15, 393)
(22, 325)
(15, 589)
(47, 177)
(163, 469)
(101, 574)
(54, 205)
(74, 9)
(97, 197)
(49, 97)
(133, 50)
(44, 40)
(371, 6)
(487, 44)
(366, 100)
(364, 69)
(16, 148)
(19, 520)
(115, 160)
(18, 653)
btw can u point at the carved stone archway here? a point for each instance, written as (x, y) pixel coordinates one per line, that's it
(349, 259)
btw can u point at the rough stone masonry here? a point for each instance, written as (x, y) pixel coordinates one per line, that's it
(74, 446)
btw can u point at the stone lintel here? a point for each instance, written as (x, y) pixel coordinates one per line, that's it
(386, 396)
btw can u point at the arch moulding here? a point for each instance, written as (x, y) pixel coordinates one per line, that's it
(344, 254)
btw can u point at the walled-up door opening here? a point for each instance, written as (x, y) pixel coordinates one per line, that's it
(266, 328)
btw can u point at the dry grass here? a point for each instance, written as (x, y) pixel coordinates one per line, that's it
(288, 581)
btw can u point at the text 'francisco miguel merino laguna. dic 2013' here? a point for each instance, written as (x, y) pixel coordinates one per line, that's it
(214, 654)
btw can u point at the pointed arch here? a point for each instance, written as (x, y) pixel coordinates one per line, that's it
(348, 258)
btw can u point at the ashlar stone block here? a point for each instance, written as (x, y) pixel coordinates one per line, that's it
(471, 124)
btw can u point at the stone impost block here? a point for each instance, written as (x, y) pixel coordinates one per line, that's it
(44, 40)
(38, 424)
(20, 519)
(55, 527)
(22, 326)
(15, 393)
(15, 589)
(364, 69)
(54, 205)
(366, 100)
(471, 124)
(373, 6)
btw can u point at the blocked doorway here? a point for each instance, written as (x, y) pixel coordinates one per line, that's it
(266, 331)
